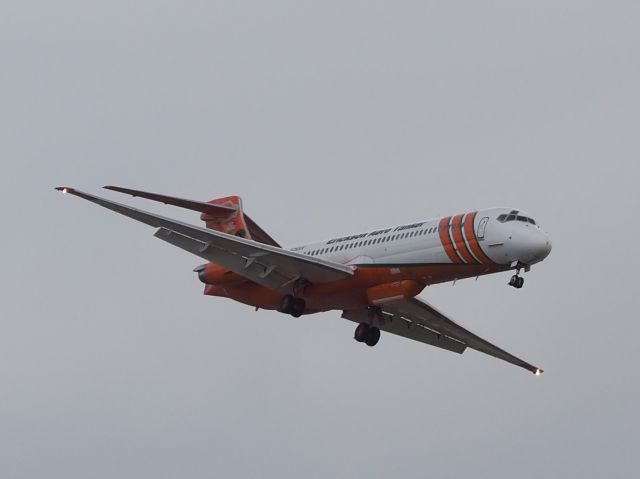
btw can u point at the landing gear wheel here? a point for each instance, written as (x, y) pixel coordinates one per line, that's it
(516, 281)
(297, 309)
(286, 304)
(373, 336)
(362, 331)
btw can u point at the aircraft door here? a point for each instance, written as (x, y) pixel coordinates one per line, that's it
(481, 227)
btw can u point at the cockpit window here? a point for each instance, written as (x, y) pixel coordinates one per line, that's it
(513, 217)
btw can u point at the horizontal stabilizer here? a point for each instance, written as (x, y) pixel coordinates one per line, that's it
(212, 210)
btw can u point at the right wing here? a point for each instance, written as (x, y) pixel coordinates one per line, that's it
(269, 266)
(420, 321)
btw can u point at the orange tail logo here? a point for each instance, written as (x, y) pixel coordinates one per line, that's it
(233, 223)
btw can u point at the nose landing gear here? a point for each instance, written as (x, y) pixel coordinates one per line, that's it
(367, 334)
(516, 281)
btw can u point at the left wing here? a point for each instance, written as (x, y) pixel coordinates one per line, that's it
(420, 321)
(269, 266)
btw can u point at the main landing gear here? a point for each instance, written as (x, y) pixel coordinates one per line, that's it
(289, 304)
(367, 334)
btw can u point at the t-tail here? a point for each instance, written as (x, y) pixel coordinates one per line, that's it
(222, 214)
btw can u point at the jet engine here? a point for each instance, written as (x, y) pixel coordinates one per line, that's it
(215, 274)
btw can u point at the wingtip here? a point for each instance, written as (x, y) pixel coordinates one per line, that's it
(63, 189)
(538, 371)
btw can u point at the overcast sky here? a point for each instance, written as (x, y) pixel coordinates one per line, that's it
(327, 117)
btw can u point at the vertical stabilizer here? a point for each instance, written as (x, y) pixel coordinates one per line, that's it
(233, 223)
(222, 214)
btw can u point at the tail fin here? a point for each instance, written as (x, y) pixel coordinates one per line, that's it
(232, 223)
(222, 214)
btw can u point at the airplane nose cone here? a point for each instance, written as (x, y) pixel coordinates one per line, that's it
(541, 247)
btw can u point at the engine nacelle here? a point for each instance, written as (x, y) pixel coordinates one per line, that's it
(217, 275)
(391, 291)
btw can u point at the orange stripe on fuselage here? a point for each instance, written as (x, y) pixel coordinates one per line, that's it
(456, 230)
(443, 231)
(470, 234)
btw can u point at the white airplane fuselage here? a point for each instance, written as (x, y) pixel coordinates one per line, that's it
(503, 242)
(400, 261)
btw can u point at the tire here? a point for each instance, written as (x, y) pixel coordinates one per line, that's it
(520, 283)
(286, 304)
(297, 308)
(362, 332)
(373, 336)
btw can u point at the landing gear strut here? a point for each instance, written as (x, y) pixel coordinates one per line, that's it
(516, 280)
(367, 334)
(292, 305)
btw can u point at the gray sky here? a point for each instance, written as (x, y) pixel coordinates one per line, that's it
(327, 118)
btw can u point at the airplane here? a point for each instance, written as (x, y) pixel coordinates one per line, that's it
(373, 277)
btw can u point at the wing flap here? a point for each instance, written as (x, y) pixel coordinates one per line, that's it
(247, 266)
(402, 326)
